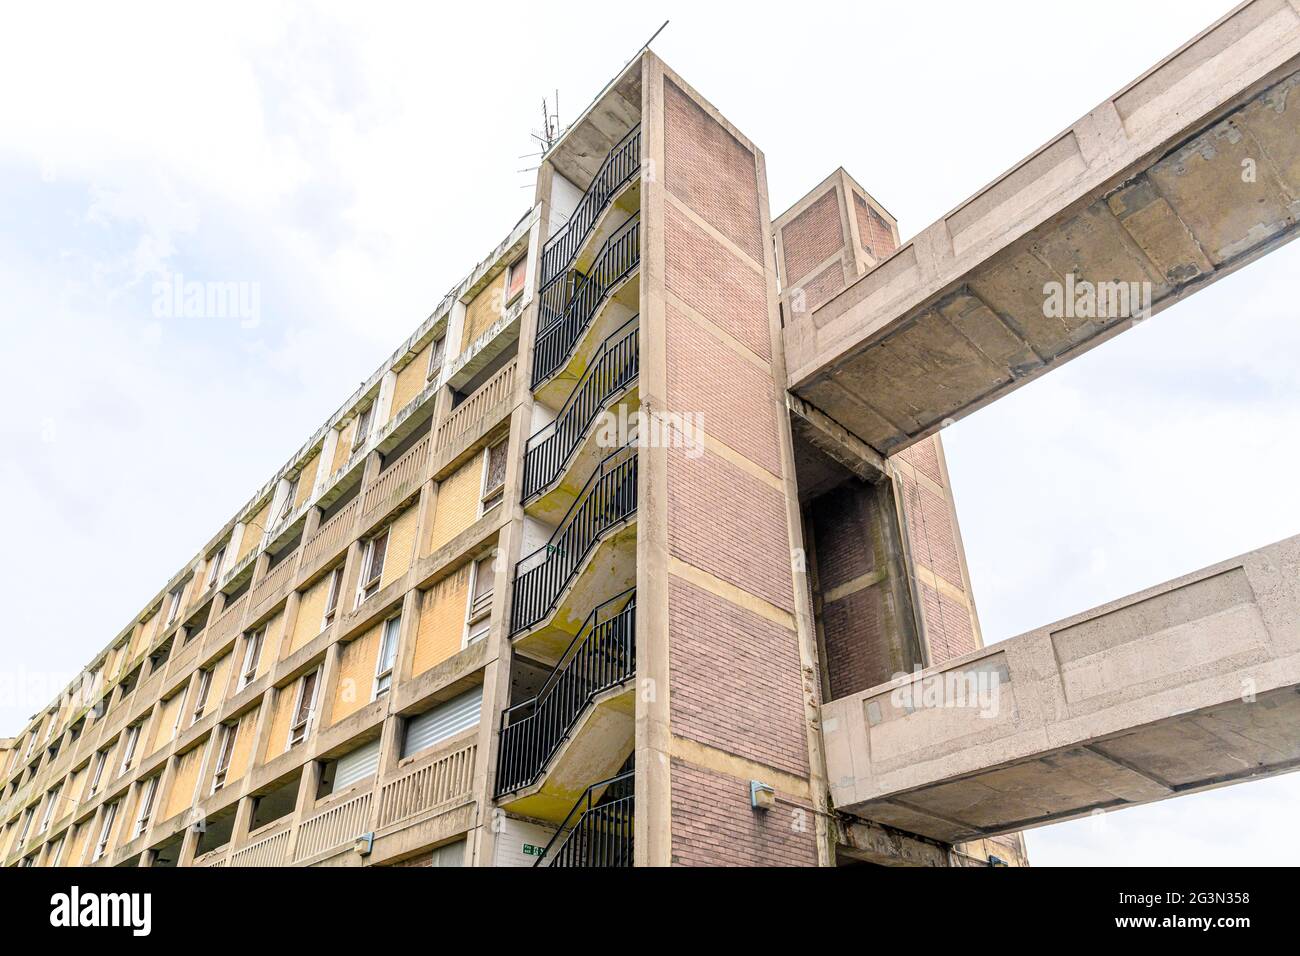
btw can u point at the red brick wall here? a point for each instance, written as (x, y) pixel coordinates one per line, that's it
(756, 698)
(876, 236)
(711, 171)
(811, 237)
(713, 824)
(735, 680)
(933, 542)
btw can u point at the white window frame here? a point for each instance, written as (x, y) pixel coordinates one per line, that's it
(252, 656)
(368, 583)
(105, 832)
(497, 495)
(179, 720)
(214, 571)
(364, 422)
(478, 614)
(386, 659)
(437, 358)
(28, 817)
(299, 729)
(129, 748)
(48, 816)
(522, 265)
(333, 593)
(143, 818)
(202, 692)
(225, 751)
(97, 772)
(174, 604)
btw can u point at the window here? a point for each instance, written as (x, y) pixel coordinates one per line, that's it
(128, 753)
(442, 722)
(27, 825)
(50, 802)
(363, 427)
(387, 656)
(97, 773)
(479, 618)
(180, 714)
(353, 766)
(252, 654)
(214, 566)
(302, 710)
(515, 284)
(174, 605)
(201, 698)
(146, 805)
(105, 831)
(372, 565)
(436, 355)
(224, 751)
(494, 476)
(332, 597)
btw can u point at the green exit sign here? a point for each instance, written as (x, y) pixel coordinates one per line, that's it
(530, 850)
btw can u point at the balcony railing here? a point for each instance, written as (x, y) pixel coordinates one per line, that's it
(608, 497)
(612, 369)
(569, 305)
(619, 167)
(602, 834)
(601, 656)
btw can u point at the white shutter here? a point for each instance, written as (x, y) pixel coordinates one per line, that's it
(453, 854)
(357, 765)
(444, 721)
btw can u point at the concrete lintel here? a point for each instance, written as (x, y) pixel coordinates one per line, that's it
(837, 442)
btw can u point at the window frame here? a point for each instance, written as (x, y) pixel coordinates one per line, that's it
(491, 498)
(145, 815)
(478, 611)
(130, 744)
(214, 571)
(202, 692)
(369, 579)
(383, 682)
(252, 656)
(105, 832)
(225, 752)
(333, 593)
(364, 422)
(300, 727)
(437, 358)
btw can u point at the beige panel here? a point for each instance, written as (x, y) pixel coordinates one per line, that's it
(442, 621)
(456, 507)
(271, 644)
(186, 778)
(410, 382)
(306, 480)
(240, 756)
(356, 674)
(311, 613)
(166, 721)
(253, 530)
(343, 450)
(486, 308)
(278, 739)
(401, 547)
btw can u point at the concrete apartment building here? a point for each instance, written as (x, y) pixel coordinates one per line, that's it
(616, 560)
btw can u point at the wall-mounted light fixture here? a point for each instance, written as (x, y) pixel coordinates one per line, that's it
(762, 796)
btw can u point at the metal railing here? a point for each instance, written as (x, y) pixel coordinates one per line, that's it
(602, 834)
(608, 497)
(622, 163)
(613, 368)
(568, 305)
(602, 655)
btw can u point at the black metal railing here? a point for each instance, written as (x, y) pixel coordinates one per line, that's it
(569, 304)
(613, 368)
(601, 656)
(608, 497)
(622, 163)
(602, 834)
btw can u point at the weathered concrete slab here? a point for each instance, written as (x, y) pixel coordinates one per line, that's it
(1190, 685)
(1186, 175)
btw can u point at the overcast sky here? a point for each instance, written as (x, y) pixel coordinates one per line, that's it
(356, 161)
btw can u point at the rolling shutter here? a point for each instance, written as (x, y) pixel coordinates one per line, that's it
(357, 765)
(439, 723)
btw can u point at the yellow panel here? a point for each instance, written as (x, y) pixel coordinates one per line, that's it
(311, 613)
(456, 507)
(343, 450)
(253, 529)
(401, 546)
(75, 786)
(78, 851)
(410, 382)
(306, 481)
(220, 678)
(278, 739)
(186, 778)
(487, 308)
(243, 749)
(442, 621)
(356, 674)
(162, 732)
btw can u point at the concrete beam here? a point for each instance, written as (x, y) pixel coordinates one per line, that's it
(1187, 174)
(1187, 686)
